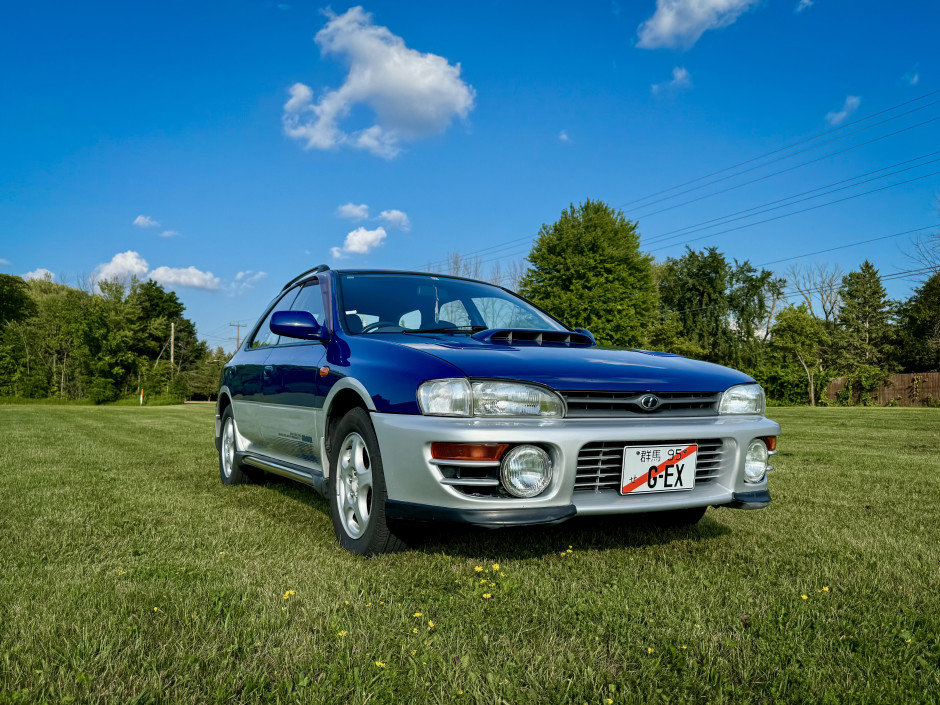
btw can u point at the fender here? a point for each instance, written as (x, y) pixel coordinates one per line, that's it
(343, 384)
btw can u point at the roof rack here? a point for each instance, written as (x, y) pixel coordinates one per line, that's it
(315, 270)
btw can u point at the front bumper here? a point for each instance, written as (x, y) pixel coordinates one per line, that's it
(416, 491)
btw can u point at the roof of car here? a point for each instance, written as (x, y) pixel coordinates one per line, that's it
(311, 273)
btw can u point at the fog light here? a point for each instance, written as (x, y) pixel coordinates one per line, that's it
(526, 471)
(755, 463)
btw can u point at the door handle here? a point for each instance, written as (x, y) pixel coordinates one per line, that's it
(268, 371)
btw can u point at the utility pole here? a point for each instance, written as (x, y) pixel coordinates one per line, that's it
(172, 341)
(238, 333)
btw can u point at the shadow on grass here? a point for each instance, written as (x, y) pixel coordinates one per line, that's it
(461, 540)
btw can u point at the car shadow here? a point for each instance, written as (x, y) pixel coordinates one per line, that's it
(584, 533)
(581, 533)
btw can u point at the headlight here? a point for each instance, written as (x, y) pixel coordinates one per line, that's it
(457, 397)
(755, 462)
(445, 397)
(743, 399)
(526, 471)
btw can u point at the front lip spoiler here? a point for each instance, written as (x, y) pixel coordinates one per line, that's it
(749, 500)
(491, 518)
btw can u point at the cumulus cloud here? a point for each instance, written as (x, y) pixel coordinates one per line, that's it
(352, 211)
(911, 78)
(4, 261)
(122, 266)
(40, 273)
(563, 136)
(246, 280)
(188, 276)
(680, 23)
(837, 117)
(145, 221)
(804, 5)
(680, 81)
(396, 219)
(411, 93)
(360, 241)
(169, 233)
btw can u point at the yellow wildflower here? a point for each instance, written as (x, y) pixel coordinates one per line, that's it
(609, 701)
(156, 609)
(289, 594)
(804, 597)
(684, 646)
(414, 630)
(380, 664)
(825, 588)
(569, 551)
(417, 614)
(650, 649)
(414, 652)
(341, 633)
(430, 625)
(478, 569)
(347, 602)
(496, 566)
(368, 604)
(486, 595)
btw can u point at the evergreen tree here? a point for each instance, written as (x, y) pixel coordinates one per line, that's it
(587, 270)
(919, 331)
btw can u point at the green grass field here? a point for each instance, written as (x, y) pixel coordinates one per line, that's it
(128, 573)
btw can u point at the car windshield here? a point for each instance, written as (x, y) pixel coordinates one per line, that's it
(396, 303)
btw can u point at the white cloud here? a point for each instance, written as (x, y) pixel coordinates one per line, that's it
(680, 80)
(804, 5)
(359, 241)
(837, 117)
(352, 211)
(169, 233)
(39, 273)
(680, 23)
(145, 221)
(396, 219)
(412, 94)
(563, 136)
(912, 77)
(122, 266)
(246, 280)
(4, 261)
(188, 276)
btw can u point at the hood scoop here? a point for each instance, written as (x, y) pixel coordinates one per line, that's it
(538, 338)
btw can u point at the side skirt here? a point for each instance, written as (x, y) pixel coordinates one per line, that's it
(282, 468)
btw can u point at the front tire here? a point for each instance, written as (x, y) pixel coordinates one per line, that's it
(356, 488)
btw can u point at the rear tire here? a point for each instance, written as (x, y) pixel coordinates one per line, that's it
(356, 488)
(231, 470)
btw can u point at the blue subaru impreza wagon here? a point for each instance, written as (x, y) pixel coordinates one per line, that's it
(404, 397)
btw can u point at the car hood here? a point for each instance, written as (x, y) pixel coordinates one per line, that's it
(598, 368)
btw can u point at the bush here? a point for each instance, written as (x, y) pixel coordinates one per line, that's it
(102, 390)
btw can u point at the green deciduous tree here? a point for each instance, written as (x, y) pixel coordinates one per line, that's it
(587, 270)
(919, 330)
(800, 335)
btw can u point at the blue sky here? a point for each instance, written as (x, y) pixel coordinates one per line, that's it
(234, 138)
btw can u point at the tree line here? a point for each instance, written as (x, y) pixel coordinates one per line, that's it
(100, 342)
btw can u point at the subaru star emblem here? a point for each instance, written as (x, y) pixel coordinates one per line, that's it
(649, 402)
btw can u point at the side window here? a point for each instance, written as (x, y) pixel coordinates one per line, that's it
(265, 337)
(412, 320)
(310, 299)
(454, 312)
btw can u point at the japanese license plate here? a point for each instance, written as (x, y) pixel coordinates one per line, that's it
(658, 468)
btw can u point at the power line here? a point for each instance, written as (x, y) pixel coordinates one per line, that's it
(785, 147)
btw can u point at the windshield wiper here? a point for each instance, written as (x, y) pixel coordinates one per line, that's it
(466, 330)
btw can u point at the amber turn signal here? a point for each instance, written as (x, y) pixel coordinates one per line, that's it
(770, 442)
(468, 451)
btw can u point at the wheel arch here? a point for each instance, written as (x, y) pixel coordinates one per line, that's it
(347, 394)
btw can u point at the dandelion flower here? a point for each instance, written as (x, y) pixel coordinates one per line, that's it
(417, 614)
(825, 588)
(486, 595)
(804, 597)
(347, 602)
(156, 609)
(289, 594)
(478, 569)
(496, 566)
(569, 551)
(368, 604)
(414, 630)
(684, 646)
(342, 633)
(414, 652)
(430, 625)
(609, 701)
(380, 664)
(650, 649)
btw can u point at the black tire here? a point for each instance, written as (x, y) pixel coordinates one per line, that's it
(231, 470)
(678, 517)
(355, 460)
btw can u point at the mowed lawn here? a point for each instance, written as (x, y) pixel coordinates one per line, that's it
(129, 573)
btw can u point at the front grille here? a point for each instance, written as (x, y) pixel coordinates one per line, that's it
(624, 404)
(600, 465)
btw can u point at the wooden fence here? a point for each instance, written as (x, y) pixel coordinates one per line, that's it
(905, 390)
